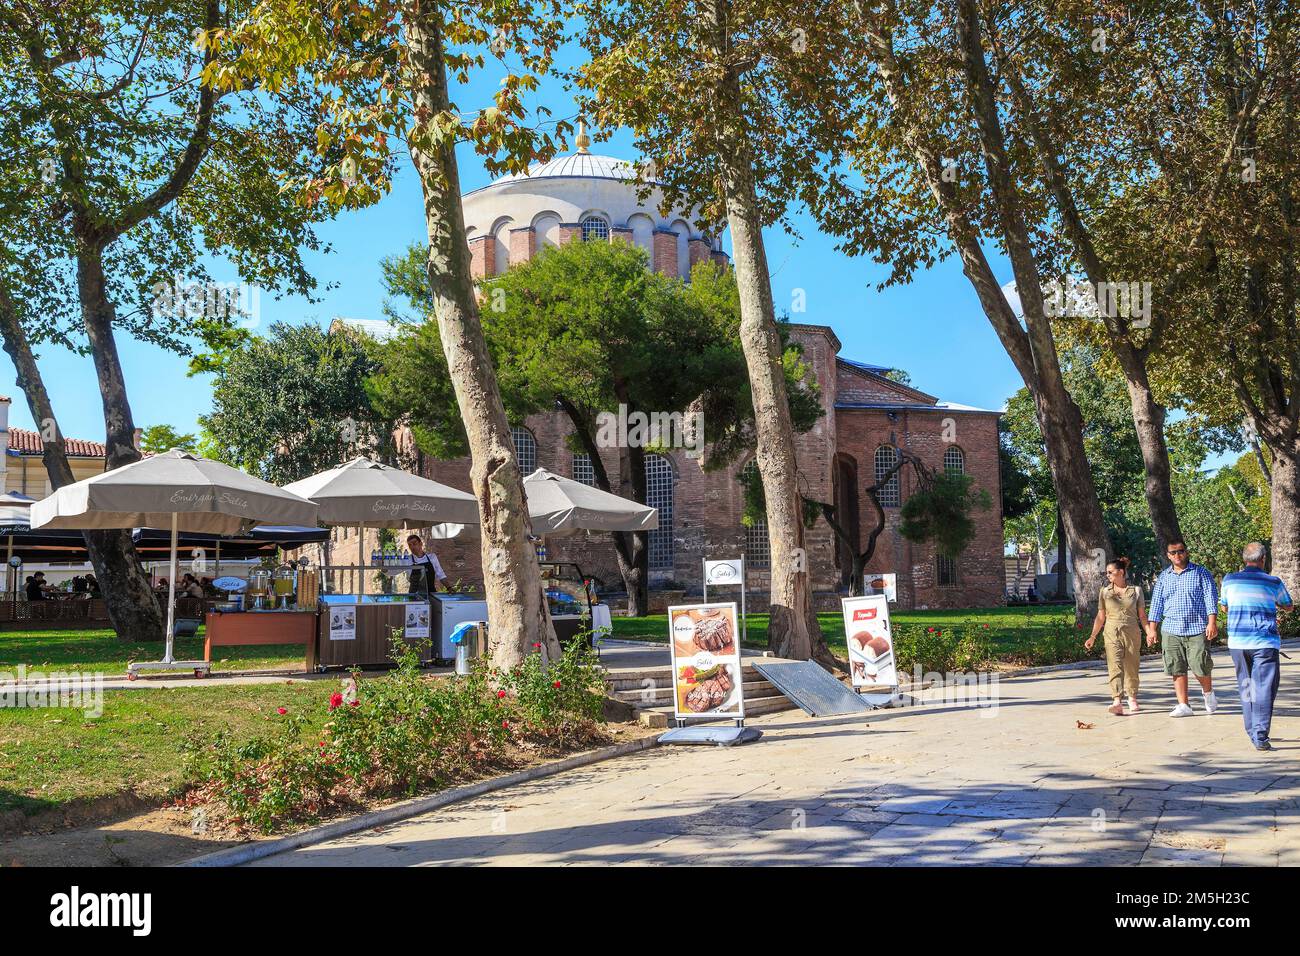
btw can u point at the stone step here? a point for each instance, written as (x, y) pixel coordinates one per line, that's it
(660, 717)
(649, 696)
(661, 677)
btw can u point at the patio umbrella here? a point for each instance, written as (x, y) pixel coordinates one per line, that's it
(368, 494)
(559, 505)
(176, 490)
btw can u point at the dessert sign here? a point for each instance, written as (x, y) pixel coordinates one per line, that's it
(343, 622)
(705, 646)
(871, 641)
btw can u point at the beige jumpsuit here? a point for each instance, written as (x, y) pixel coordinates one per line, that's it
(1123, 637)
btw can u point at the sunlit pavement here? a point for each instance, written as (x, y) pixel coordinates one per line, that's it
(1022, 784)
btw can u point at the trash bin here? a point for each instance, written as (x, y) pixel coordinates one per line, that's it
(470, 639)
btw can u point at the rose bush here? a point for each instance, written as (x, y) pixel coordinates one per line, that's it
(400, 734)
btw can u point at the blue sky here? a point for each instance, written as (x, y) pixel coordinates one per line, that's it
(933, 327)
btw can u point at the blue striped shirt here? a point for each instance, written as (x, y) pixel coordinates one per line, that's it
(1181, 603)
(1252, 598)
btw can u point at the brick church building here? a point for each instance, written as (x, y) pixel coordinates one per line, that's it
(867, 418)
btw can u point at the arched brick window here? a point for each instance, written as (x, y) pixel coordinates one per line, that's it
(525, 449)
(954, 460)
(890, 494)
(594, 227)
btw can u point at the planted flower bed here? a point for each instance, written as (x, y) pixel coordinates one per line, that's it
(400, 734)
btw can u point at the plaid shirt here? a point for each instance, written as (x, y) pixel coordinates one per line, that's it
(1182, 603)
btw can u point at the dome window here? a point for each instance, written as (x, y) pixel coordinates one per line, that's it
(593, 227)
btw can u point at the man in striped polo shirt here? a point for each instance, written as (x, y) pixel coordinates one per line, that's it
(1185, 606)
(1252, 598)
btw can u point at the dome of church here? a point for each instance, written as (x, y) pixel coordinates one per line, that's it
(580, 195)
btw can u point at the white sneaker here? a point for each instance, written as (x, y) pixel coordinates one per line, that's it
(1211, 702)
(1181, 710)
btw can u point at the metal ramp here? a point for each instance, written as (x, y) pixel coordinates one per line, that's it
(812, 689)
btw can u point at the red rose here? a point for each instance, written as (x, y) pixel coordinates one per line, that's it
(557, 685)
(281, 711)
(500, 694)
(929, 630)
(322, 745)
(537, 647)
(505, 724)
(336, 700)
(356, 703)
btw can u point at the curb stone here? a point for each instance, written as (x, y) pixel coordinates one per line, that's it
(248, 852)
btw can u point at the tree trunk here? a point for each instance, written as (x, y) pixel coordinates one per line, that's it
(793, 630)
(133, 608)
(511, 577)
(631, 467)
(1149, 420)
(1285, 504)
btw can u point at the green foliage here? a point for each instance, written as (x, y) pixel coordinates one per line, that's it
(294, 403)
(940, 512)
(161, 438)
(562, 698)
(400, 734)
(586, 326)
(1222, 511)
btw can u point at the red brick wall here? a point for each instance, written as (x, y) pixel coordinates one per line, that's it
(570, 231)
(699, 251)
(482, 257)
(523, 243)
(980, 573)
(664, 258)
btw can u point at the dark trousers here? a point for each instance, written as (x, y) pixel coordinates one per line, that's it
(1257, 680)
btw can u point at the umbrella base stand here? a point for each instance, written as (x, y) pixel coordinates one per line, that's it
(200, 668)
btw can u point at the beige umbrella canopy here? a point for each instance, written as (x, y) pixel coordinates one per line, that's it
(196, 494)
(175, 490)
(367, 494)
(364, 492)
(558, 505)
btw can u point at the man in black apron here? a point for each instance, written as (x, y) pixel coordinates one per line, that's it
(426, 572)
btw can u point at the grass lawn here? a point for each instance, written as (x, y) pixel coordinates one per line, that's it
(49, 757)
(100, 650)
(1009, 627)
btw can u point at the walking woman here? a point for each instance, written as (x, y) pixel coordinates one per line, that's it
(1121, 614)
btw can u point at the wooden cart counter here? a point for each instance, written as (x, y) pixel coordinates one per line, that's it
(235, 628)
(366, 638)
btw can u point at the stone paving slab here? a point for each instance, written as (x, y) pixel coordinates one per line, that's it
(1019, 784)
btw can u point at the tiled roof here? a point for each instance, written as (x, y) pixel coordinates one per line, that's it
(24, 442)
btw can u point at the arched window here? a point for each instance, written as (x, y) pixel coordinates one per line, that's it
(886, 458)
(525, 449)
(758, 547)
(582, 470)
(593, 227)
(954, 461)
(659, 494)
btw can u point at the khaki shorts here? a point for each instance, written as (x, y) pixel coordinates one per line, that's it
(1184, 655)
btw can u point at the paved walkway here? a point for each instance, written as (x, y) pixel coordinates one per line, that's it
(932, 785)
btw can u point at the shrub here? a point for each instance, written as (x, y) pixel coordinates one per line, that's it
(562, 700)
(402, 733)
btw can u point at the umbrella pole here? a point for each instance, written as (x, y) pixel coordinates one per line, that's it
(217, 573)
(361, 560)
(171, 594)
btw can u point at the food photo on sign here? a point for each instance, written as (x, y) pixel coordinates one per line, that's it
(870, 640)
(706, 660)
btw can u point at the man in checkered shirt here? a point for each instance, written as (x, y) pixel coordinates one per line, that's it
(1185, 606)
